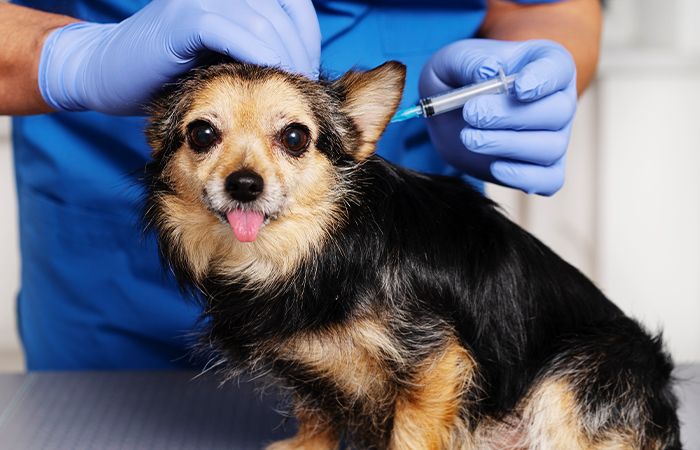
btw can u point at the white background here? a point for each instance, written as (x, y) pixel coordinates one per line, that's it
(629, 215)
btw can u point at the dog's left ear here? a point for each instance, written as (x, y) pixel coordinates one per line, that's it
(370, 99)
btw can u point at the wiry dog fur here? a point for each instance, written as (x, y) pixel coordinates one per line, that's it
(401, 310)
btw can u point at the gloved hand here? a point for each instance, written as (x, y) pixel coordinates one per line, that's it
(518, 140)
(116, 68)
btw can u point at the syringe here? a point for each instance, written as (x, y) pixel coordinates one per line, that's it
(455, 99)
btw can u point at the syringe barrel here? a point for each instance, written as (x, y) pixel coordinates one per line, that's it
(455, 99)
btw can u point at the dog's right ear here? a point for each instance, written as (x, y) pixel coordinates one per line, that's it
(370, 99)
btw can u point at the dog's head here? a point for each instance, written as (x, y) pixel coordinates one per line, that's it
(251, 164)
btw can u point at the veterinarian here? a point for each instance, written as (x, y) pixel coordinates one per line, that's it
(93, 292)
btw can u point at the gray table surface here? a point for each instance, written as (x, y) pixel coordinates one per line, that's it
(171, 410)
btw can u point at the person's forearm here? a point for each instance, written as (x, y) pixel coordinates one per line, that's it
(576, 24)
(21, 40)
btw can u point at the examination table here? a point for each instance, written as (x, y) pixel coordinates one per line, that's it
(175, 410)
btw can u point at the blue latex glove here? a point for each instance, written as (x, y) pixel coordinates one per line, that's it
(518, 141)
(116, 68)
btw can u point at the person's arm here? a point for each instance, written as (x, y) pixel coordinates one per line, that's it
(24, 31)
(575, 24)
(49, 63)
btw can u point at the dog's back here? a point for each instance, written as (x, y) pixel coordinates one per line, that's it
(556, 364)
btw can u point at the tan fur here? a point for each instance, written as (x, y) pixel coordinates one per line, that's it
(354, 356)
(427, 412)
(428, 416)
(250, 114)
(372, 98)
(314, 434)
(202, 238)
(550, 420)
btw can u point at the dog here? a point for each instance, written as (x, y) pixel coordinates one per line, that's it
(398, 310)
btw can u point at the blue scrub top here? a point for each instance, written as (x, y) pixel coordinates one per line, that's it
(93, 292)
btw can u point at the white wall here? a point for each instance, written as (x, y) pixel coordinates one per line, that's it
(10, 355)
(649, 198)
(629, 214)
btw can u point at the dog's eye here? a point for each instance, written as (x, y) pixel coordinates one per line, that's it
(295, 138)
(201, 135)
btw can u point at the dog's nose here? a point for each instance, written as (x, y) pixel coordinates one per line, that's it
(244, 185)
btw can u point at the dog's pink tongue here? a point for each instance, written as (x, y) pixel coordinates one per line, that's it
(245, 224)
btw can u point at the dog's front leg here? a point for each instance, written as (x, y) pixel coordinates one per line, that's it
(428, 416)
(315, 433)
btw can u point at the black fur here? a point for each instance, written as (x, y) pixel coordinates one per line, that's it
(516, 305)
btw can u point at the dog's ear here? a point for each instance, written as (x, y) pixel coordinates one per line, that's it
(370, 99)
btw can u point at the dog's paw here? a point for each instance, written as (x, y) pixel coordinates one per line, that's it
(281, 445)
(298, 444)
(287, 444)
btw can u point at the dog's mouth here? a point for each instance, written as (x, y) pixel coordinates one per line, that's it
(246, 224)
(245, 219)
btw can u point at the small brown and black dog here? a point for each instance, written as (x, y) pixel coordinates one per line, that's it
(401, 311)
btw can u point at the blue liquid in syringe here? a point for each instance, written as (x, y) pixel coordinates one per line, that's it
(455, 99)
